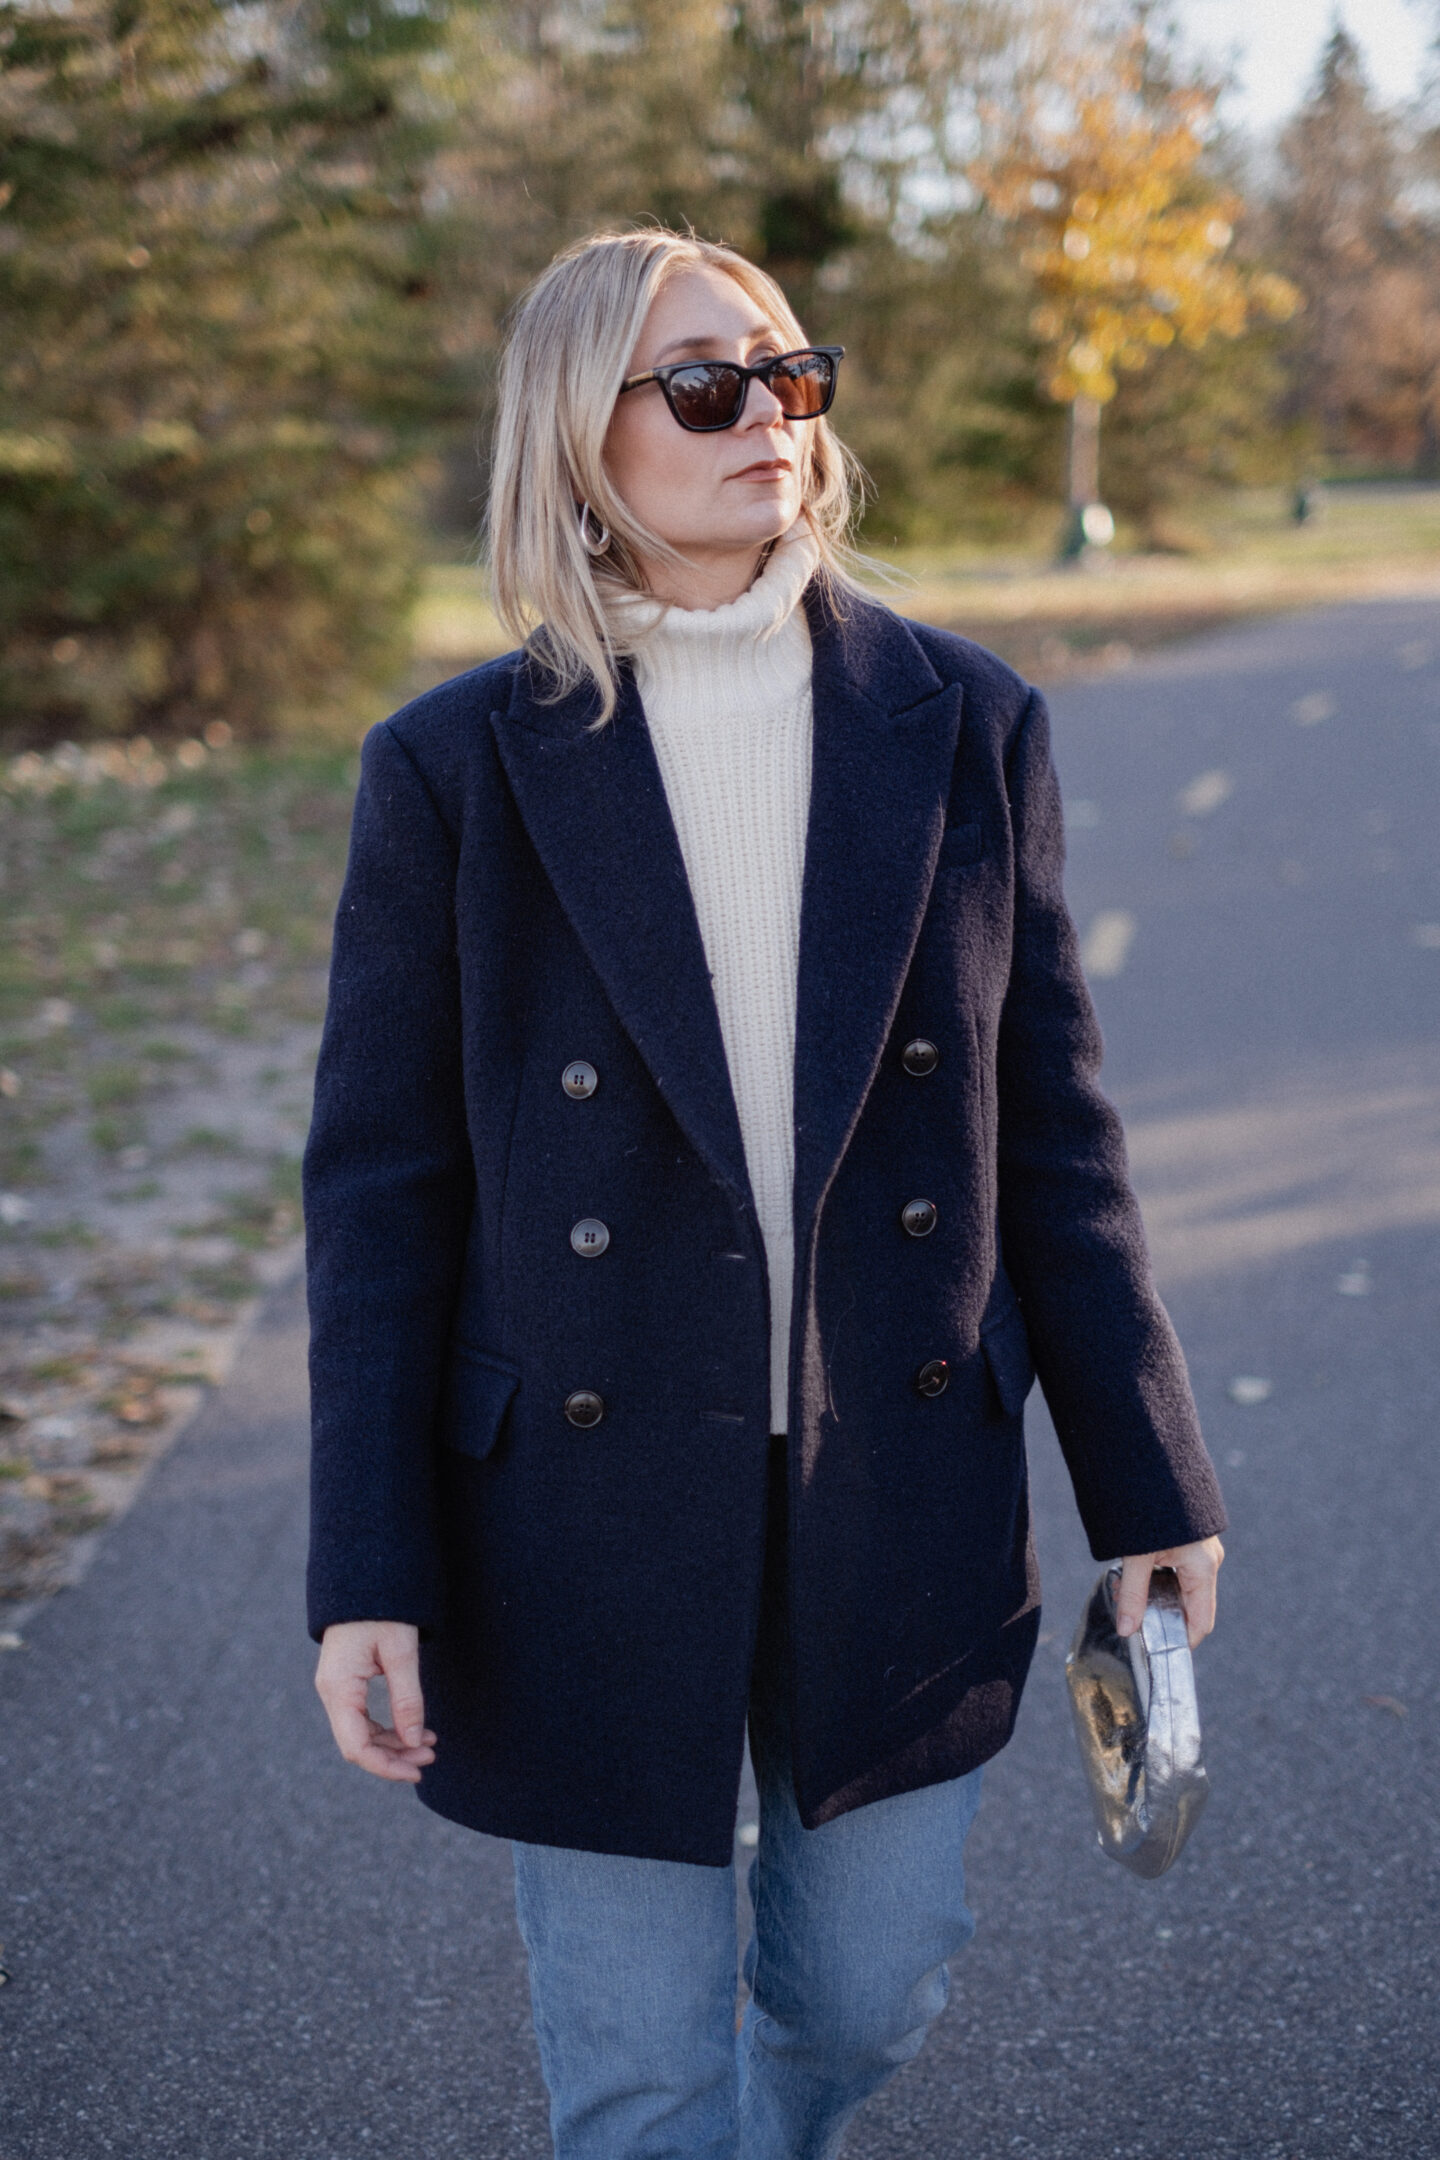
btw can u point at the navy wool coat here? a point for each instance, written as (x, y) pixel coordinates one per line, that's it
(588, 1595)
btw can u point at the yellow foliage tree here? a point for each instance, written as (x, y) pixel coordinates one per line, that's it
(1126, 236)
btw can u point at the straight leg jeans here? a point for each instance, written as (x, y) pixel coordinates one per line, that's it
(632, 1967)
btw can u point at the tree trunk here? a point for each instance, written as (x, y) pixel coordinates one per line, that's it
(1082, 462)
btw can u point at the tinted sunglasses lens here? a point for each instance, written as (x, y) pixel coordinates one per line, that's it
(707, 395)
(802, 384)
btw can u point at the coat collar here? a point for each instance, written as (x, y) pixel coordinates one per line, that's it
(595, 808)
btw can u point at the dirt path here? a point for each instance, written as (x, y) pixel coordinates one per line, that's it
(159, 1013)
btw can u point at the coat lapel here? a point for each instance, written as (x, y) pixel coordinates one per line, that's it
(595, 808)
(886, 729)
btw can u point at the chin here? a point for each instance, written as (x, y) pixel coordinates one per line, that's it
(771, 522)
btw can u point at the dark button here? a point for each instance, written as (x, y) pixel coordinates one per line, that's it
(584, 1407)
(934, 1376)
(920, 1057)
(579, 1080)
(589, 1237)
(919, 1217)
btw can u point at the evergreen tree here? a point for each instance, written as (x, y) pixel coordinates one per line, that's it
(1365, 359)
(219, 361)
(798, 132)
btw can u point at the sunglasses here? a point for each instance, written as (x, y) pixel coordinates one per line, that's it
(706, 395)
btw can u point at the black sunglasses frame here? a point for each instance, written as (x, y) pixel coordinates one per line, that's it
(662, 375)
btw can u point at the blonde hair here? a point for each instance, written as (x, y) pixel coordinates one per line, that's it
(564, 361)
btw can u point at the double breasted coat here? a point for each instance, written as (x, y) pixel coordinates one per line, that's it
(553, 1460)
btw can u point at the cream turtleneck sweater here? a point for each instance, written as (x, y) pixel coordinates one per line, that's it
(726, 692)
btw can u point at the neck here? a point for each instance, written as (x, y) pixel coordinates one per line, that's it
(706, 580)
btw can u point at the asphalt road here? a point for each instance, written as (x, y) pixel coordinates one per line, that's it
(225, 1944)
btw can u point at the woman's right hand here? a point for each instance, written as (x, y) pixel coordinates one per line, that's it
(354, 1653)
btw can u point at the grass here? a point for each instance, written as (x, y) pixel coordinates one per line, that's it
(168, 927)
(1239, 554)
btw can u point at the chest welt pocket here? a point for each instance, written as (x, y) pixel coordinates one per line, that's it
(1007, 1353)
(960, 844)
(478, 1389)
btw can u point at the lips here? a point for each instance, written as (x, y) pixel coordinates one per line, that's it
(765, 469)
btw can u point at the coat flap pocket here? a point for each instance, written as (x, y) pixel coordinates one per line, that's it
(1007, 1353)
(960, 844)
(477, 1395)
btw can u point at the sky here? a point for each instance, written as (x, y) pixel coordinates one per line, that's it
(1279, 43)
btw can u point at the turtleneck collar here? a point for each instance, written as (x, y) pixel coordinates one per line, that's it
(759, 613)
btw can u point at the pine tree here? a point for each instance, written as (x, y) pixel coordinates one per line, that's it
(1365, 359)
(794, 131)
(219, 362)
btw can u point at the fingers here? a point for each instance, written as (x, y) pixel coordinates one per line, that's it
(1134, 1592)
(399, 1655)
(384, 1755)
(1196, 1567)
(353, 1654)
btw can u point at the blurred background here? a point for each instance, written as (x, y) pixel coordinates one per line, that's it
(1142, 308)
(255, 260)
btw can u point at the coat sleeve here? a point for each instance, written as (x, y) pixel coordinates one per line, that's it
(1110, 1365)
(388, 1186)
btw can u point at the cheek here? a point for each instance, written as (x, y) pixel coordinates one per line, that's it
(654, 464)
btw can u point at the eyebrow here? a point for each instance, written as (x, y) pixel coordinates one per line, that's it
(697, 345)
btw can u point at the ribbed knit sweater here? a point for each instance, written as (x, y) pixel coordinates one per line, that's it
(726, 692)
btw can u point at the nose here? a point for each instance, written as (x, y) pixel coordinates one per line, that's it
(762, 408)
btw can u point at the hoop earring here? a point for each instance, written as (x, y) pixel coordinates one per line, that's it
(592, 544)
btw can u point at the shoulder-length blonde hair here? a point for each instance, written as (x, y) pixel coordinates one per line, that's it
(564, 361)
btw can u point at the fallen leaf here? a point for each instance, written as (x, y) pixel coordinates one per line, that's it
(1107, 944)
(1205, 793)
(141, 1410)
(117, 1454)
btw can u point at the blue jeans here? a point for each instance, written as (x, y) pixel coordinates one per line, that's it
(632, 1967)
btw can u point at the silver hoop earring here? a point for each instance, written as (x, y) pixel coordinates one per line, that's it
(593, 544)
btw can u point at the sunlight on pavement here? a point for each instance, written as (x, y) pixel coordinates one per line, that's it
(1321, 1159)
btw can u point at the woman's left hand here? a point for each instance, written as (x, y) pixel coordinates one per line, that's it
(1196, 1566)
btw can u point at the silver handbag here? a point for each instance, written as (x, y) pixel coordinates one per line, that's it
(1138, 1724)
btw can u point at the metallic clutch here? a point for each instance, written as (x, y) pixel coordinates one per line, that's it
(1138, 1724)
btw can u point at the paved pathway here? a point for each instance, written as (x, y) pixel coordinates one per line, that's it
(225, 1946)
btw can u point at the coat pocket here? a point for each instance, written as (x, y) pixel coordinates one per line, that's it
(960, 844)
(1007, 1353)
(478, 1389)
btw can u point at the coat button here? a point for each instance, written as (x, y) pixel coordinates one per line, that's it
(579, 1080)
(920, 1057)
(589, 1237)
(934, 1376)
(919, 1217)
(584, 1407)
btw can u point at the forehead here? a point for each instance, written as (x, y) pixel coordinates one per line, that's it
(700, 307)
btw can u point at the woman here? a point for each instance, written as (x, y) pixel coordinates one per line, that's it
(707, 1140)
